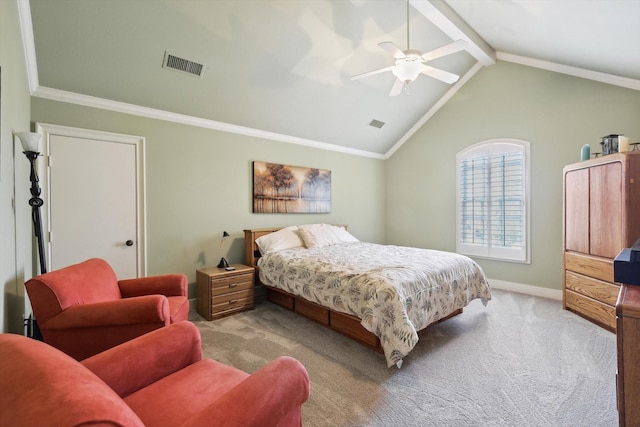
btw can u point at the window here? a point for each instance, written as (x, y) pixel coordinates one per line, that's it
(493, 200)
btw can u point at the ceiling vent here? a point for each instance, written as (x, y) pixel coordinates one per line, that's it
(184, 65)
(376, 123)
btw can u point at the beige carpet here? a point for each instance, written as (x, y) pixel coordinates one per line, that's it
(520, 361)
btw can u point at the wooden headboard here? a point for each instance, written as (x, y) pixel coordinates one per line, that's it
(251, 252)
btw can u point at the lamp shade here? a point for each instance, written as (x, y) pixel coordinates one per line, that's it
(30, 141)
(408, 71)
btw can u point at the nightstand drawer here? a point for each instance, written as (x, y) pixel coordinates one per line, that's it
(232, 300)
(231, 284)
(230, 296)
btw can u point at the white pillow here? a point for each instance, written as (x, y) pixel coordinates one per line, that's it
(343, 235)
(318, 235)
(285, 238)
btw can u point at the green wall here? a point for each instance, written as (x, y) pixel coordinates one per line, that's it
(198, 184)
(556, 113)
(15, 224)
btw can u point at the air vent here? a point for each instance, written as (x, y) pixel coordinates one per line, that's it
(376, 123)
(184, 65)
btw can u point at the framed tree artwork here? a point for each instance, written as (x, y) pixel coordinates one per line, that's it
(290, 189)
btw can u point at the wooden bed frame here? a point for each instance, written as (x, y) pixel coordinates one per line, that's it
(341, 322)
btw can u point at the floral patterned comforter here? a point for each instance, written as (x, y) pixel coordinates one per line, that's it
(395, 290)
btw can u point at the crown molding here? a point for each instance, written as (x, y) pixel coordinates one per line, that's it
(26, 30)
(152, 113)
(572, 71)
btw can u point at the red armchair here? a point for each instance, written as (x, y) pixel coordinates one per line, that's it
(83, 309)
(157, 379)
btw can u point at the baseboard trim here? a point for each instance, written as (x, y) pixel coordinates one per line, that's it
(526, 289)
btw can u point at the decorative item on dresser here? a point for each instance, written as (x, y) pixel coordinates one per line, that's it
(222, 292)
(601, 216)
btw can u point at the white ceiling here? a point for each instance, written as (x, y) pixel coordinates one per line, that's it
(281, 69)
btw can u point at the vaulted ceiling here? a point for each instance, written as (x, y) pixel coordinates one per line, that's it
(281, 69)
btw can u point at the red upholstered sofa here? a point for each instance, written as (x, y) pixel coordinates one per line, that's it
(84, 309)
(157, 379)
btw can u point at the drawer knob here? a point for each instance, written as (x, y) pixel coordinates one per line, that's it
(233, 285)
(233, 301)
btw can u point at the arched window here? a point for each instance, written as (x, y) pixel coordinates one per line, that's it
(492, 211)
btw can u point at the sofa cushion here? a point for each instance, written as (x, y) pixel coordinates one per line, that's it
(65, 392)
(176, 398)
(87, 282)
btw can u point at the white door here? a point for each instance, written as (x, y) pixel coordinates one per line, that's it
(93, 199)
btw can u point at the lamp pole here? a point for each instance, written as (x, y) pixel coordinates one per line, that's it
(36, 202)
(30, 142)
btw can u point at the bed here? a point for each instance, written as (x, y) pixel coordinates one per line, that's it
(379, 295)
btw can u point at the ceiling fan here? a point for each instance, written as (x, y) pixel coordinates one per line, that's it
(411, 63)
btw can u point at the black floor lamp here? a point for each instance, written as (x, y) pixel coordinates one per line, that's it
(30, 142)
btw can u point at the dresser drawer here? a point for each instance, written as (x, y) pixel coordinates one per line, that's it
(597, 289)
(596, 311)
(596, 267)
(225, 285)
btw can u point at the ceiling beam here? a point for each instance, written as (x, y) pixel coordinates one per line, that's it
(443, 17)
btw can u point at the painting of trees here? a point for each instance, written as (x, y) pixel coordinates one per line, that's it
(290, 189)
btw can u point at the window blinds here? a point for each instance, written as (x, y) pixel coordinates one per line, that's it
(492, 203)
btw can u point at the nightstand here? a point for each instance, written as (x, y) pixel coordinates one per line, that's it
(222, 292)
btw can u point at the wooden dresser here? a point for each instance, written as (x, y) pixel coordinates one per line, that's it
(222, 292)
(601, 217)
(628, 338)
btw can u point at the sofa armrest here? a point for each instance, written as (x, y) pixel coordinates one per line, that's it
(144, 360)
(274, 393)
(171, 285)
(146, 309)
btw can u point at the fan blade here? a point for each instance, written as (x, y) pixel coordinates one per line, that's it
(371, 73)
(445, 50)
(392, 49)
(436, 73)
(398, 85)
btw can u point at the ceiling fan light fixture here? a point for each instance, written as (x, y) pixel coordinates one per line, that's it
(408, 69)
(411, 63)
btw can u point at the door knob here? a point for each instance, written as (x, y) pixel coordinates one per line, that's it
(129, 243)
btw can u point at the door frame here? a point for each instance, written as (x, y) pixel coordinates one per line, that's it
(47, 130)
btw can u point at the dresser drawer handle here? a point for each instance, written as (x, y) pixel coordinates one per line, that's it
(233, 285)
(233, 301)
